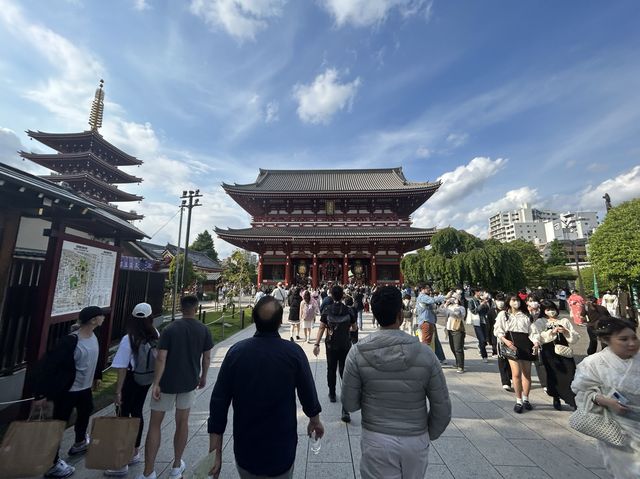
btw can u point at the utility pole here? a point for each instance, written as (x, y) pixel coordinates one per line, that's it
(190, 204)
(177, 265)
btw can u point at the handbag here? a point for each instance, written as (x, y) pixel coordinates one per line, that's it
(505, 352)
(598, 425)
(457, 324)
(472, 319)
(562, 350)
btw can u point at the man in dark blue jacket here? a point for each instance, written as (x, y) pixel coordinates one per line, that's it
(261, 375)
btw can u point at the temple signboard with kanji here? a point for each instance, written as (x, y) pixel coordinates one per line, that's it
(319, 226)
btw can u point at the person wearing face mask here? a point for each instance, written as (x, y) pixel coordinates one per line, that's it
(533, 309)
(515, 330)
(455, 313)
(611, 379)
(560, 368)
(503, 364)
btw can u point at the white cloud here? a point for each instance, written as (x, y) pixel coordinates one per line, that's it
(512, 199)
(319, 101)
(362, 13)
(457, 139)
(623, 187)
(466, 179)
(271, 112)
(423, 152)
(141, 5)
(242, 19)
(68, 94)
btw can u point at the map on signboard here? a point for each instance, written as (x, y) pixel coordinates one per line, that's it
(85, 278)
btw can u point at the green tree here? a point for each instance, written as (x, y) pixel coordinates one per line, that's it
(587, 280)
(615, 246)
(190, 274)
(557, 254)
(204, 244)
(532, 262)
(457, 257)
(239, 270)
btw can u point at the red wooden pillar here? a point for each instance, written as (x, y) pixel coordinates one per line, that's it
(374, 271)
(345, 269)
(400, 270)
(287, 271)
(260, 262)
(314, 272)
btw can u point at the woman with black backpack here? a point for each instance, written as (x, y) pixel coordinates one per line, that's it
(135, 362)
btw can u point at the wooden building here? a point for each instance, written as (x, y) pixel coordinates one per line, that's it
(316, 226)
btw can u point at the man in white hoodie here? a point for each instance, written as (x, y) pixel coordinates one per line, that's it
(396, 428)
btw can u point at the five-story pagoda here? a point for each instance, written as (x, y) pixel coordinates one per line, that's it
(316, 226)
(88, 163)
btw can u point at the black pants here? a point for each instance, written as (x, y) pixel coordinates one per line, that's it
(482, 341)
(133, 397)
(456, 343)
(335, 360)
(505, 371)
(63, 406)
(593, 342)
(491, 339)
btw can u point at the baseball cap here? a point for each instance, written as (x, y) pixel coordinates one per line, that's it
(88, 313)
(142, 310)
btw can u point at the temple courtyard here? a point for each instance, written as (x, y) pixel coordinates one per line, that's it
(485, 439)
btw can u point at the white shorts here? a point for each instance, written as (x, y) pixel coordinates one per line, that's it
(169, 402)
(307, 324)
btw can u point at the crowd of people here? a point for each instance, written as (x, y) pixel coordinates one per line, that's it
(393, 376)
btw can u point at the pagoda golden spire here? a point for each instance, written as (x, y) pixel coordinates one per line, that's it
(97, 108)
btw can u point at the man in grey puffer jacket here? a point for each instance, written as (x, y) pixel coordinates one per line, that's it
(390, 375)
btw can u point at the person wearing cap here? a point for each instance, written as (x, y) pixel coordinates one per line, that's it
(280, 294)
(135, 378)
(182, 361)
(66, 376)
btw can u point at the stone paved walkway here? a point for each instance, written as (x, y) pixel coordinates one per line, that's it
(485, 439)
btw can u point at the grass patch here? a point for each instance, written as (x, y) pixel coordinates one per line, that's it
(104, 394)
(232, 323)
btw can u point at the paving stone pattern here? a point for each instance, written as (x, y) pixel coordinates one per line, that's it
(485, 439)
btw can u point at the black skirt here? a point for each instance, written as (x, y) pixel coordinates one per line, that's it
(523, 344)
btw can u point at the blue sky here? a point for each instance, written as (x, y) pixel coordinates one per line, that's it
(506, 102)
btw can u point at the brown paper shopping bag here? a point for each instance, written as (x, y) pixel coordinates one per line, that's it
(112, 442)
(29, 448)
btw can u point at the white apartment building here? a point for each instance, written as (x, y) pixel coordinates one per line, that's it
(523, 223)
(540, 226)
(571, 226)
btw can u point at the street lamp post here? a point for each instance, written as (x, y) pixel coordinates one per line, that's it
(190, 204)
(176, 270)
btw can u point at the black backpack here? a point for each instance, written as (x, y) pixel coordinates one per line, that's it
(338, 326)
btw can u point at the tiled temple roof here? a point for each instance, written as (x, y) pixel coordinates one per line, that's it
(313, 181)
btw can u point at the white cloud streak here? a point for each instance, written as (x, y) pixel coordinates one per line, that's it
(242, 19)
(364, 13)
(320, 100)
(624, 187)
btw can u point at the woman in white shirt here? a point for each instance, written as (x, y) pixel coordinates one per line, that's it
(455, 330)
(135, 363)
(514, 329)
(560, 368)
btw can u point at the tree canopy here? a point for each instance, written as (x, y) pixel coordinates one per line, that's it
(204, 244)
(238, 269)
(532, 262)
(615, 245)
(557, 254)
(457, 257)
(190, 275)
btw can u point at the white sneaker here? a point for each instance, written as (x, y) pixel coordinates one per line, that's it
(137, 459)
(123, 471)
(485, 360)
(150, 476)
(60, 470)
(176, 472)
